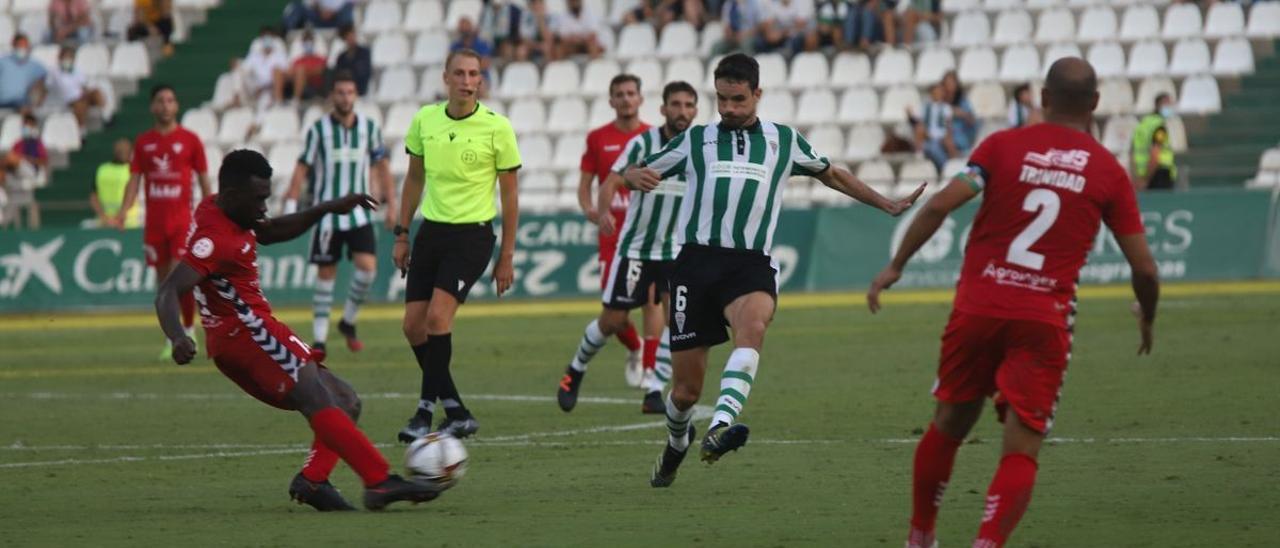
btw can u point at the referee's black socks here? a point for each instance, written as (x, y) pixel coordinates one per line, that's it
(437, 382)
(429, 389)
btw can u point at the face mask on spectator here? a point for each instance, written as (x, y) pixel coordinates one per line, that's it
(67, 64)
(1166, 111)
(30, 132)
(22, 53)
(308, 47)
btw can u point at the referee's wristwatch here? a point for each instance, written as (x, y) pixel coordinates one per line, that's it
(400, 230)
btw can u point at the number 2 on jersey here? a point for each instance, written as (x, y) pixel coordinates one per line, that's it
(1047, 203)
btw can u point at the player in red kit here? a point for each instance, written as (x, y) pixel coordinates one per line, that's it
(604, 145)
(168, 157)
(258, 352)
(1046, 189)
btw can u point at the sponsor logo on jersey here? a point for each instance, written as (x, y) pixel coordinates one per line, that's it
(149, 147)
(1003, 275)
(1074, 159)
(684, 336)
(612, 148)
(164, 192)
(743, 170)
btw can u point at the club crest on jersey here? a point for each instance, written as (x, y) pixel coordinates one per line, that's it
(202, 248)
(177, 147)
(1075, 159)
(773, 146)
(680, 317)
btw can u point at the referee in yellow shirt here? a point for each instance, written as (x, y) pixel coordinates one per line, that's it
(460, 146)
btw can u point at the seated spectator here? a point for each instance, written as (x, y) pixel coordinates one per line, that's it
(575, 32)
(22, 170)
(306, 74)
(740, 18)
(323, 14)
(107, 194)
(70, 89)
(69, 21)
(515, 32)
(828, 27)
(468, 38)
(265, 69)
(1023, 111)
(921, 22)
(152, 19)
(21, 77)
(964, 123)
(933, 129)
(660, 12)
(356, 59)
(871, 22)
(783, 27)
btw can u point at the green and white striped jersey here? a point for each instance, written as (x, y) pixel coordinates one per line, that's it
(735, 181)
(340, 159)
(649, 232)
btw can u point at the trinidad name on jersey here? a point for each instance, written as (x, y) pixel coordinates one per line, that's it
(649, 232)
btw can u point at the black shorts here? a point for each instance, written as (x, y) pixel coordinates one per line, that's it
(448, 256)
(629, 280)
(704, 280)
(327, 244)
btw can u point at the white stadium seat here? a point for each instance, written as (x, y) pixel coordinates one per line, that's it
(893, 67)
(827, 140)
(1107, 59)
(1200, 96)
(859, 105)
(1189, 57)
(390, 50)
(535, 151)
(1020, 64)
(6, 33)
(399, 116)
(462, 8)
(815, 107)
(520, 79)
(279, 124)
(1225, 19)
(1234, 56)
(10, 130)
(1139, 23)
(224, 91)
(916, 171)
(808, 70)
(234, 126)
(950, 169)
(1147, 59)
(685, 69)
(650, 108)
(773, 70)
(203, 122)
(619, 9)
(430, 48)
(213, 159)
(897, 102)
(970, 29)
(431, 86)
(1270, 160)
(1149, 89)
(850, 69)
(1001, 5)
(601, 112)
(527, 116)
(309, 117)
(988, 100)
(1117, 134)
(567, 114)
(93, 59)
(777, 106)
(46, 55)
(1059, 51)
(61, 132)
(1115, 97)
(381, 16)
(130, 61)
(560, 78)
(876, 172)
(978, 64)
(1097, 24)
(396, 84)
(569, 149)
(1012, 27)
(34, 25)
(678, 38)
(649, 71)
(637, 41)
(932, 64)
(958, 6)
(539, 181)
(712, 33)
(1055, 26)
(864, 142)
(283, 158)
(597, 74)
(1264, 20)
(423, 15)
(22, 7)
(1182, 21)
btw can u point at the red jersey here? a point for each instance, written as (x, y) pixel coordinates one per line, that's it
(168, 163)
(1046, 189)
(230, 295)
(604, 145)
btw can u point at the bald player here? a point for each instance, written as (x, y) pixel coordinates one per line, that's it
(1047, 189)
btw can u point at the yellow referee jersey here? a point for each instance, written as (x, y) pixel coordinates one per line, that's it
(461, 158)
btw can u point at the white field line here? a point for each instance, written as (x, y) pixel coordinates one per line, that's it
(233, 396)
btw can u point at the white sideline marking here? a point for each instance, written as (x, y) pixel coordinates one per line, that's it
(233, 396)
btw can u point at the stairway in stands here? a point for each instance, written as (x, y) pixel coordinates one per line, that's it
(1223, 149)
(192, 71)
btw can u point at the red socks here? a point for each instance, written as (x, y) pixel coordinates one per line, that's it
(629, 338)
(320, 462)
(935, 455)
(187, 303)
(1007, 499)
(335, 430)
(650, 353)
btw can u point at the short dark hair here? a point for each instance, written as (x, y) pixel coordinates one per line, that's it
(1021, 88)
(239, 166)
(19, 36)
(1160, 97)
(156, 89)
(739, 67)
(463, 52)
(622, 79)
(29, 118)
(344, 30)
(343, 75)
(678, 86)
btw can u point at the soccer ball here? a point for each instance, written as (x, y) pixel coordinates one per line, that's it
(437, 458)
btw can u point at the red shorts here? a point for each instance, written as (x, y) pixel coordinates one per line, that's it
(165, 244)
(1023, 362)
(608, 246)
(264, 363)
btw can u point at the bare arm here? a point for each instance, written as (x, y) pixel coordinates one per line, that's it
(130, 196)
(1146, 283)
(288, 227)
(387, 191)
(295, 187)
(605, 200)
(410, 197)
(584, 196)
(101, 215)
(206, 188)
(504, 271)
(181, 280)
(839, 179)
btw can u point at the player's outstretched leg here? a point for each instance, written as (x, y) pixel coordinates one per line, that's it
(458, 420)
(680, 436)
(634, 371)
(593, 339)
(735, 385)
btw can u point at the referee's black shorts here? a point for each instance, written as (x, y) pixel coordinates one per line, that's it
(448, 256)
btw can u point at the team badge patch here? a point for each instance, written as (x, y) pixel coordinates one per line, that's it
(202, 248)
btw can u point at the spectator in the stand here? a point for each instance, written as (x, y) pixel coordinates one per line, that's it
(1161, 171)
(660, 12)
(782, 28)
(964, 123)
(70, 89)
(266, 68)
(324, 14)
(871, 22)
(356, 59)
(827, 30)
(920, 21)
(70, 21)
(306, 74)
(21, 77)
(1023, 111)
(575, 32)
(517, 34)
(740, 19)
(933, 128)
(22, 170)
(107, 194)
(469, 38)
(1146, 152)
(152, 18)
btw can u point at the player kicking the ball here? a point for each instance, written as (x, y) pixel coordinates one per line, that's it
(257, 351)
(724, 274)
(1046, 188)
(647, 247)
